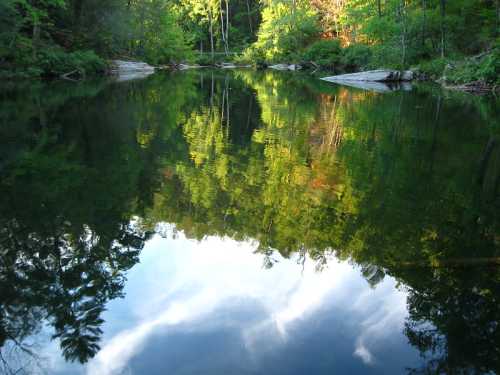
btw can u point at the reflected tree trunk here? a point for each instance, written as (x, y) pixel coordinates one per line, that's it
(212, 89)
(483, 163)
(457, 262)
(434, 132)
(250, 104)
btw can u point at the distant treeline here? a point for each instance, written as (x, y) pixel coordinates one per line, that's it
(52, 37)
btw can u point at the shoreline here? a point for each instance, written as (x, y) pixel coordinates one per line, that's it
(472, 87)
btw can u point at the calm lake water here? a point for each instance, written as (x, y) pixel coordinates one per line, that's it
(243, 222)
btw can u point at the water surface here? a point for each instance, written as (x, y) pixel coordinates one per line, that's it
(248, 222)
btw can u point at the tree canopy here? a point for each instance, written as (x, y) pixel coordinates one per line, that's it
(51, 37)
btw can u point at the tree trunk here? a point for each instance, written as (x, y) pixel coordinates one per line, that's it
(223, 34)
(424, 9)
(379, 8)
(223, 28)
(402, 14)
(142, 29)
(443, 31)
(497, 19)
(211, 31)
(77, 12)
(36, 35)
(250, 16)
(227, 27)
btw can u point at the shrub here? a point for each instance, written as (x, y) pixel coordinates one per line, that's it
(486, 69)
(326, 53)
(489, 69)
(206, 59)
(251, 55)
(433, 68)
(356, 56)
(387, 55)
(55, 61)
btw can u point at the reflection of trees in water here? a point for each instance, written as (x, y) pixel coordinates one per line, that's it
(453, 320)
(66, 201)
(64, 278)
(385, 181)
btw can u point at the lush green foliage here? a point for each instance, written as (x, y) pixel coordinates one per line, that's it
(485, 69)
(285, 30)
(57, 61)
(357, 56)
(392, 33)
(329, 54)
(324, 52)
(59, 36)
(34, 35)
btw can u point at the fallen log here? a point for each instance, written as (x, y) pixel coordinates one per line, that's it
(455, 262)
(475, 87)
(67, 76)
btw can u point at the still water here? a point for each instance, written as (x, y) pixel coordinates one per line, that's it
(244, 222)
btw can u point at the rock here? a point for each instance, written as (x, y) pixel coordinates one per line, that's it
(128, 70)
(226, 66)
(285, 67)
(279, 67)
(380, 87)
(407, 75)
(381, 75)
(186, 66)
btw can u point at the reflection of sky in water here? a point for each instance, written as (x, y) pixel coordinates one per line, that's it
(210, 308)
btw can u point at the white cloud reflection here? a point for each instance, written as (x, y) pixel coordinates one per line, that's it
(182, 281)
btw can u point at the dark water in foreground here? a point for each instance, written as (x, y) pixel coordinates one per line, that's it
(253, 223)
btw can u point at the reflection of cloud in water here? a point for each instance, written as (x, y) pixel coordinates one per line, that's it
(117, 352)
(183, 281)
(383, 320)
(362, 352)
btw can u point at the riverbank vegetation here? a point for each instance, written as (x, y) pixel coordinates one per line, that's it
(457, 41)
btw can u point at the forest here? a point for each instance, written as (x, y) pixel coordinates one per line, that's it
(456, 41)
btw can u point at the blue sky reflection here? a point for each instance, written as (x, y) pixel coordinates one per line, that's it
(205, 307)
